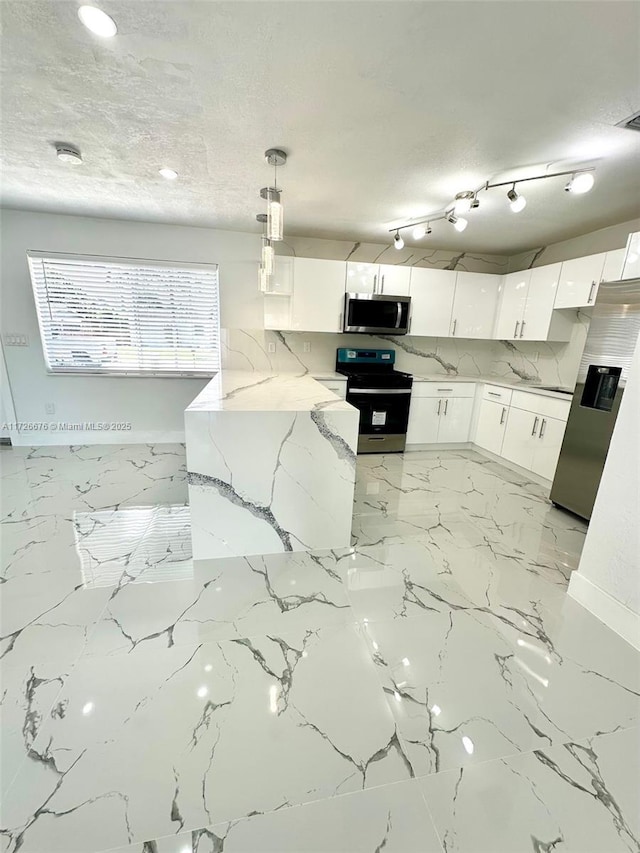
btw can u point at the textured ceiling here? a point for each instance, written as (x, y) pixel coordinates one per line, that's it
(387, 110)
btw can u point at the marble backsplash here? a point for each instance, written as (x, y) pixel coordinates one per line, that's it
(534, 361)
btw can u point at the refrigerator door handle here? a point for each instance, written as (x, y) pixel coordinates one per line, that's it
(535, 425)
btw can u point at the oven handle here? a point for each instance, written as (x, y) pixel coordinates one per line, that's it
(379, 391)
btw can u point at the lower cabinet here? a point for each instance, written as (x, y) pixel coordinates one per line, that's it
(439, 420)
(492, 423)
(533, 441)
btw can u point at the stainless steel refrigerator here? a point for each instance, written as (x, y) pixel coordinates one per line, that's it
(611, 340)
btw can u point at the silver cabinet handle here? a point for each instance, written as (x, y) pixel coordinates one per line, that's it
(535, 426)
(382, 391)
(522, 329)
(515, 334)
(446, 406)
(590, 297)
(382, 285)
(494, 394)
(542, 426)
(455, 323)
(375, 284)
(502, 416)
(439, 406)
(444, 389)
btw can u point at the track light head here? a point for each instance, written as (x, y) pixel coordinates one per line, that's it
(398, 242)
(517, 202)
(475, 204)
(581, 182)
(418, 232)
(457, 221)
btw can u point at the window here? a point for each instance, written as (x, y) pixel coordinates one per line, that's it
(126, 317)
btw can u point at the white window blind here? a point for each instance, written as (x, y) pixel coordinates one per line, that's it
(127, 317)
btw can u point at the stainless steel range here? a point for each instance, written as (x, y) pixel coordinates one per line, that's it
(381, 394)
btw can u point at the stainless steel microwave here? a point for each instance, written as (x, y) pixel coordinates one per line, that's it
(376, 314)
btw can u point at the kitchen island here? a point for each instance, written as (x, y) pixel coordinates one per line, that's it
(271, 462)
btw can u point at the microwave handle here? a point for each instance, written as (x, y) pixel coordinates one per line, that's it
(399, 317)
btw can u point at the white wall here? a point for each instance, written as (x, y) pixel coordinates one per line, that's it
(154, 407)
(608, 578)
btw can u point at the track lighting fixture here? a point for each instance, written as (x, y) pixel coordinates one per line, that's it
(581, 182)
(463, 202)
(517, 202)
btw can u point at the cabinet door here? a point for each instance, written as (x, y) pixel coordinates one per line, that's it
(362, 278)
(631, 267)
(613, 265)
(492, 422)
(455, 419)
(474, 305)
(579, 280)
(432, 293)
(423, 420)
(318, 295)
(519, 437)
(513, 299)
(546, 449)
(541, 298)
(394, 280)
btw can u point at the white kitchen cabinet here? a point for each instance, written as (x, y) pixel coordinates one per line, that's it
(424, 420)
(520, 434)
(389, 279)
(491, 426)
(394, 280)
(318, 295)
(631, 267)
(336, 386)
(526, 306)
(613, 265)
(474, 305)
(546, 449)
(432, 293)
(579, 280)
(455, 419)
(437, 416)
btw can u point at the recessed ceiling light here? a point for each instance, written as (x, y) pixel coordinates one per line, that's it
(169, 174)
(68, 154)
(97, 21)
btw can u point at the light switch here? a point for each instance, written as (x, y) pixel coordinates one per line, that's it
(306, 346)
(271, 347)
(15, 339)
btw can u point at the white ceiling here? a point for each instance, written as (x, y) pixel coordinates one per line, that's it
(387, 110)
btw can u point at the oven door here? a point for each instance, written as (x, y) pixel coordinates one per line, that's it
(384, 416)
(374, 314)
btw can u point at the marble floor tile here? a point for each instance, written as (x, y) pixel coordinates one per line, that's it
(392, 818)
(469, 685)
(578, 797)
(152, 744)
(196, 601)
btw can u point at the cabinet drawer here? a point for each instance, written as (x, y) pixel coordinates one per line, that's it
(548, 407)
(337, 387)
(496, 394)
(443, 389)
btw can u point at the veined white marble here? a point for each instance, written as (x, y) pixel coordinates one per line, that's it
(271, 465)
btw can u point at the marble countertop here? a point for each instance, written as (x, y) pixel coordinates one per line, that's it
(239, 390)
(515, 384)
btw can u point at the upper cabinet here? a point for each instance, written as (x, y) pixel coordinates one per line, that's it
(318, 295)
(474, 305)
(432, 293)
(526, 306)
(614, 263)
(579, 281)
(388, 279)
(631, 268)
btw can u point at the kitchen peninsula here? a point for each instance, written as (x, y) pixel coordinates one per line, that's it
(271, 465)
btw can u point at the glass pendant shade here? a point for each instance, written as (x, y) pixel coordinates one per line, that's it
(263, 279)
(275, 219)
(267, 257)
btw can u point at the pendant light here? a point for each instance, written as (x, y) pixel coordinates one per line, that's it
(275, 212)
(267, 256)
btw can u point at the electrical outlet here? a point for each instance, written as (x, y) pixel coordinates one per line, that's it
(50, 408)
(271, 347)
(535, 356)
(306, 346)
(13, 339)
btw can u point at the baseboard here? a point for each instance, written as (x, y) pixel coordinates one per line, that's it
(72, 437)
(614, 614)
(518, 469)
(464, 445)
